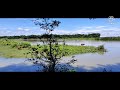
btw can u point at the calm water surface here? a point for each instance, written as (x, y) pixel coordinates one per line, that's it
(85, 62)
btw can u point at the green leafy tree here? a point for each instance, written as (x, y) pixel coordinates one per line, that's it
(50, 53)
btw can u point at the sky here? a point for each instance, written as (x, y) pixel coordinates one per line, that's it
(25, 26)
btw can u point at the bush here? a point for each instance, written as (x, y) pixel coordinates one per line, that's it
(25, 44)
(14, 45)
(101, 48)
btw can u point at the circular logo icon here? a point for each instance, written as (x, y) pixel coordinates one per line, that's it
(111, 19)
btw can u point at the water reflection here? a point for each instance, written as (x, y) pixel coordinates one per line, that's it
(85, 62)
(16, 65)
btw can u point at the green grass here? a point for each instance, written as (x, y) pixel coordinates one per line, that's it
(7, 49)
(9, 52)
(82, 49)
(72, 50)
(13, 48)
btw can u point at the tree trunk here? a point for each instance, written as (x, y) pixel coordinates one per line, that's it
(52, 64)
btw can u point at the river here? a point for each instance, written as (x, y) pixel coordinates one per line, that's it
(91, 62)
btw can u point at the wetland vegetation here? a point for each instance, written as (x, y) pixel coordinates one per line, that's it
(81, 46)
(16, 48)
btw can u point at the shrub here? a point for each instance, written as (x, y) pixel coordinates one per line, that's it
(101, 48)
(25, 44)
(21, 45)
(14, 45)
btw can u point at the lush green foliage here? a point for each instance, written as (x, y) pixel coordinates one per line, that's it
(15, 44)
(18, 48)
(93, 35)
(101, 48)
(70, 49)
(9, 52)
(110, 38)
(14, 48)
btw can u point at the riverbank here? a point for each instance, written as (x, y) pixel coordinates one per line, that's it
(16, 49)
(97, 39)
(94, 39)
(9, 52)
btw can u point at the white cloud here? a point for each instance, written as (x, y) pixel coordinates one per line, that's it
(20, 28)
(98, 27)
(103, 30)
(26, 29)
(23, 29)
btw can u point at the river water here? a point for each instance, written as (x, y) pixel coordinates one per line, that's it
(91, 62)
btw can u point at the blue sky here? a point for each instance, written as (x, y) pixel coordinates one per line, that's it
(25, 26)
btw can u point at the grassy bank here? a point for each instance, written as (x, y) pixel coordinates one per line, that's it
(66, 39)
(84, 49)
(96, 39)
(17, 49)
(12, 48)
(9, 52)
(109, 39)
(80, 38)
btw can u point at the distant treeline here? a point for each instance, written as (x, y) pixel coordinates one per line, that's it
(109, 38)
(93, 35)
(96, 36)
